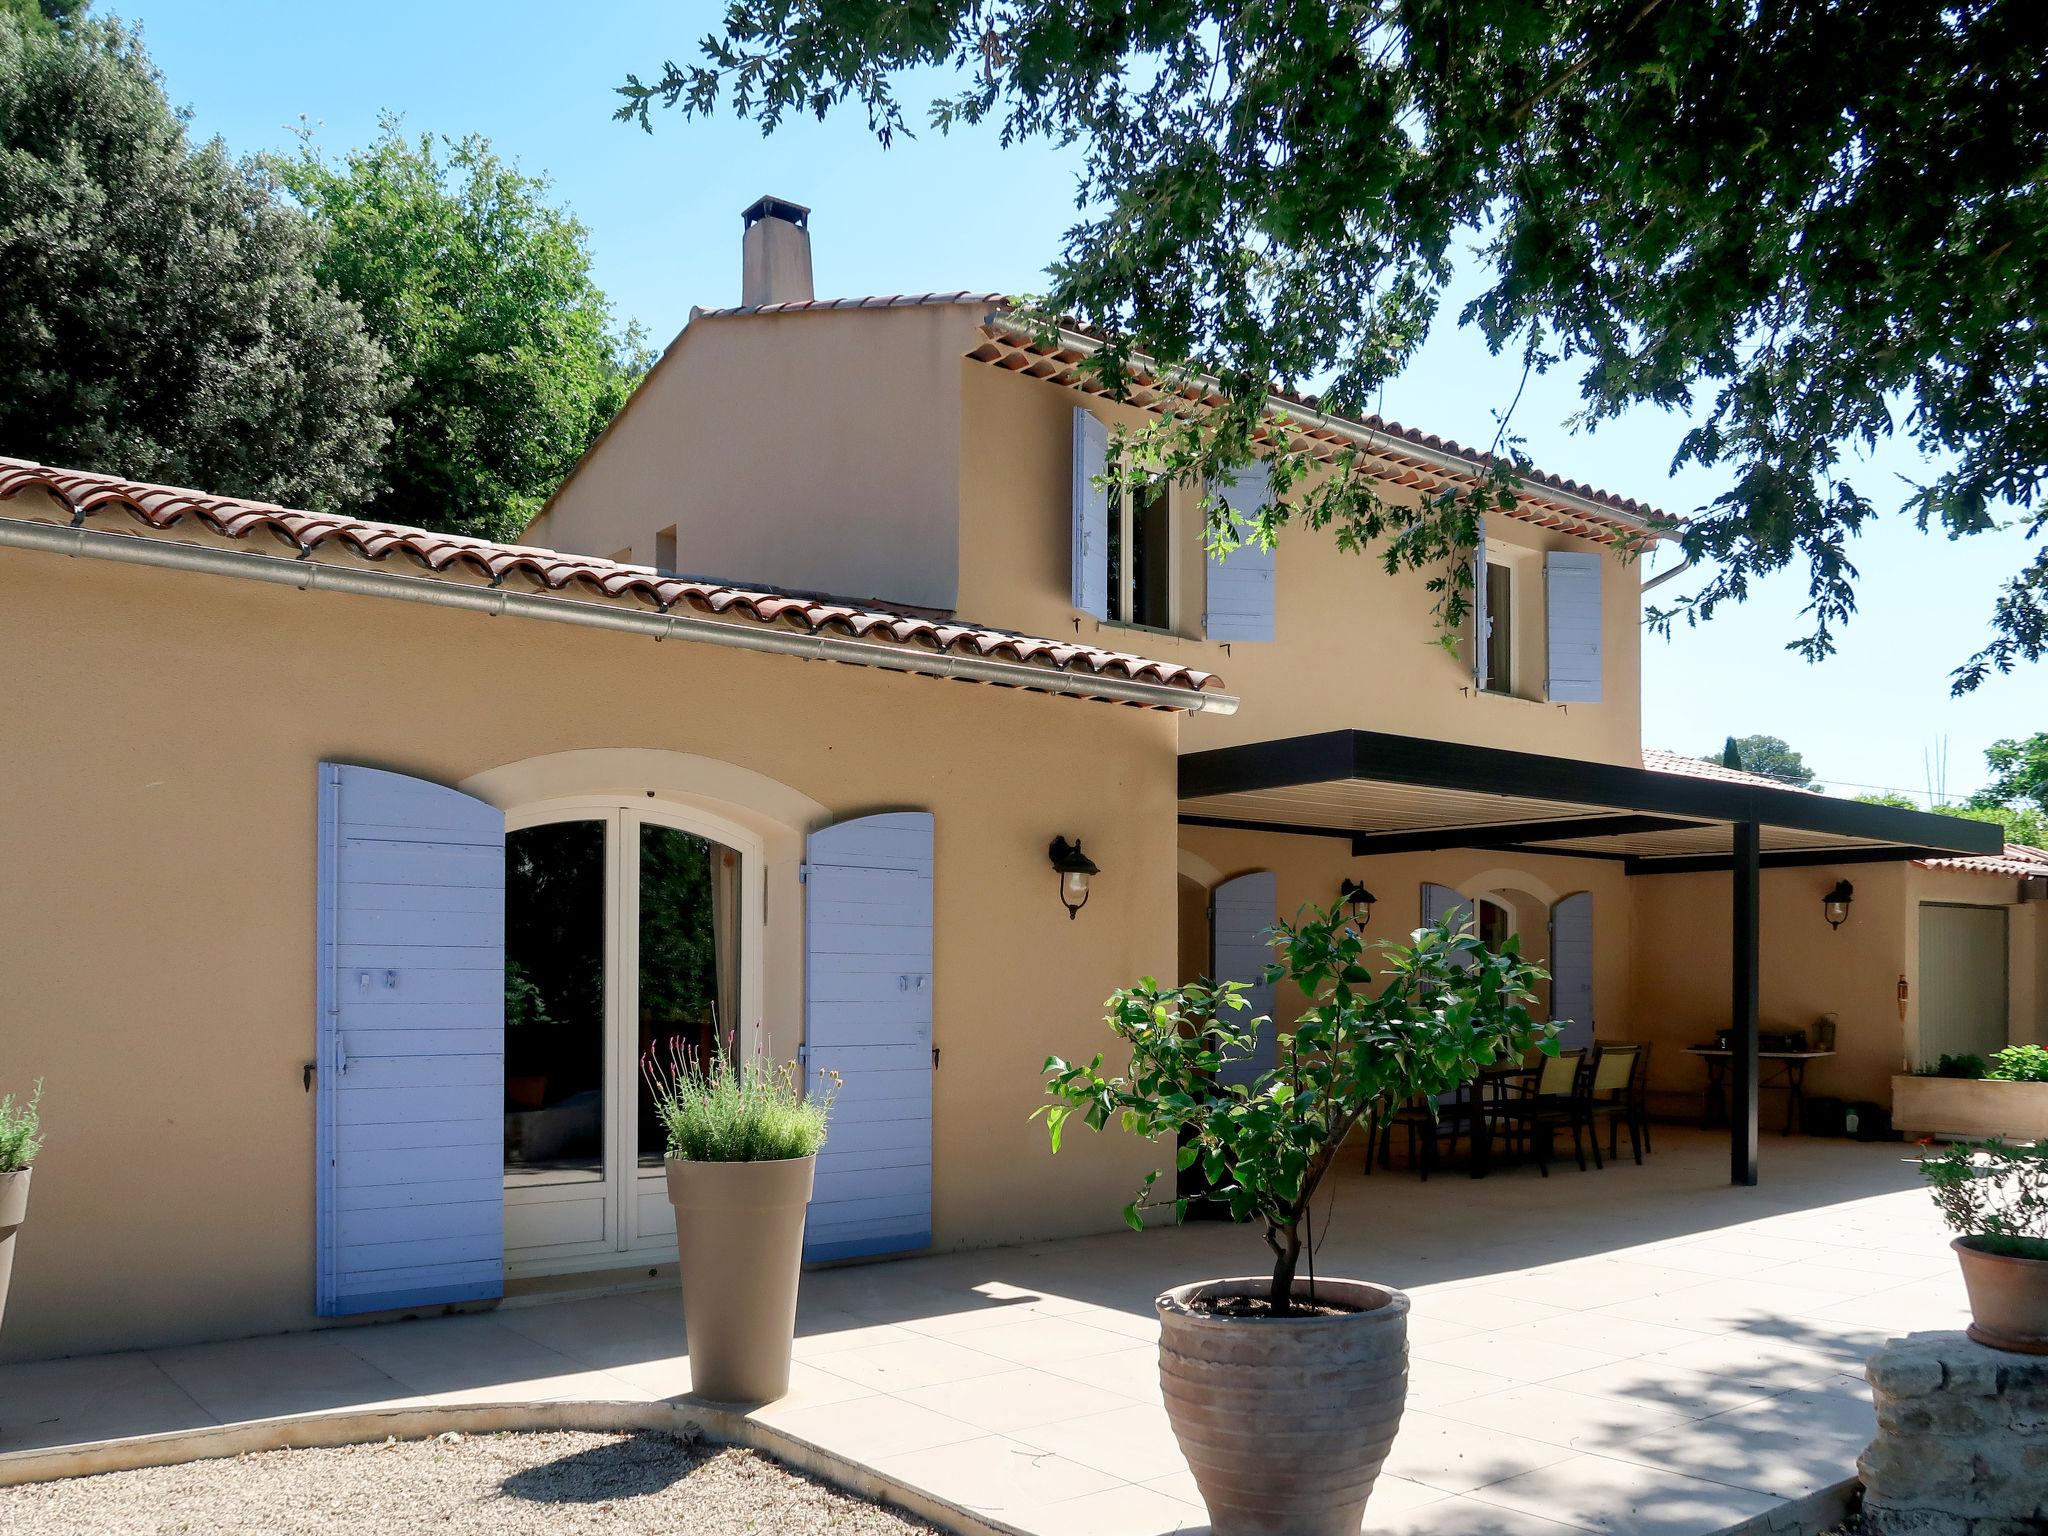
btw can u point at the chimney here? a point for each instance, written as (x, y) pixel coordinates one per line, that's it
(775, 254)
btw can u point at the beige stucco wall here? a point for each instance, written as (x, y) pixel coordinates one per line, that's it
(1682, 970)
(816, 451)
(1354, 647)
(157, 820)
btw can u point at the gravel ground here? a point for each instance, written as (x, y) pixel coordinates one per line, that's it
(504, 1485)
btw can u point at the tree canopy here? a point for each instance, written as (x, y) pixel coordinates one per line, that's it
(1768, 756)
(2016, 798)
(1810, 228)
(162, 314)
(506, 358)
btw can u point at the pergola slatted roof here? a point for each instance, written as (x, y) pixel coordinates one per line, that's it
(1394, 794)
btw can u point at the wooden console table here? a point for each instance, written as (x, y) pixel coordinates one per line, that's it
(1791, 1076)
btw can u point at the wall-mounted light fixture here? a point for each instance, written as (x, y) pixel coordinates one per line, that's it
(1354, 895)
(1074, 868)
(1835, 905)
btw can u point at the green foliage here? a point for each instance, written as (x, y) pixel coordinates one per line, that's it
(1809, 228)
(504, 348)
(1964, 1066)
(2019, 1064)
(2019, 784)
(1768, 756)
(725, 1113)
(1425, 1020)
(162, 316)
(21, 1130)
(1993, 1193)
(43, 18)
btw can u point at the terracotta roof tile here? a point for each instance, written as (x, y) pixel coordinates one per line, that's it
(1659, 760)
(2018, 859)
(161, 508)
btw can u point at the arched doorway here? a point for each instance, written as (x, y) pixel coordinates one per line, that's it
(625, 929)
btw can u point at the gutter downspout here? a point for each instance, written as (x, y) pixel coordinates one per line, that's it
(1677, 570)
(305, 574)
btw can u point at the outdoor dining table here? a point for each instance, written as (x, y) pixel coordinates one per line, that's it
(1490, 1087)
(1791, 1076)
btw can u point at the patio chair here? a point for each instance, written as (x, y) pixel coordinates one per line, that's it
(1557, 1096)
(1425, 1129)
(1639, 1089)
(1611, 1095)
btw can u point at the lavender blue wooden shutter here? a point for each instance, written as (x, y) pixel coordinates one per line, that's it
(1091, 515)
(868, 1017)
(1439, 902)
(1243, 912)
(1482, 620)
(1571, 593)
(1240, 598)
(1571, 968)
(411, 1061)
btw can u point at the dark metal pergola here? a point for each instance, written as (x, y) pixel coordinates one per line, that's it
(1405, 794)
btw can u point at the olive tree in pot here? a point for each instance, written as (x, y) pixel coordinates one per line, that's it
(1995, 1197)
(742, 1146)
(1285, 1390)
(21, 1138)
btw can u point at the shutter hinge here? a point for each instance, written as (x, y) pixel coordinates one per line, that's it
(803, 874)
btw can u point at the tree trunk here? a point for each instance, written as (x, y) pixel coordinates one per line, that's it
(1286, 1245)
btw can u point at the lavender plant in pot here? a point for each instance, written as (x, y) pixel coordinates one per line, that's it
(1995, 1197)
(21, 1138)
(1285, 1389)
(742, 1147)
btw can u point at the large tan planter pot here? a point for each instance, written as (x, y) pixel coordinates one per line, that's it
(1285, 1422)
(2008, 1299)
(1970, 1109)
(13, 1211)
(740, 1245)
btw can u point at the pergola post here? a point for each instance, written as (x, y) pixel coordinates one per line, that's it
(1746, 1001)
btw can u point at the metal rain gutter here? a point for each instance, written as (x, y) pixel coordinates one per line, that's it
(306, 574)
(1436, 458)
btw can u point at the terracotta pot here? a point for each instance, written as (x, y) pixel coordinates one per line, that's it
(740, 1244)
(2008, 1298)
(13, 1211)
(1285, 1422)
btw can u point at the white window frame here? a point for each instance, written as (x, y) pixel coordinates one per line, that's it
(1124, 511)
(1503, 685)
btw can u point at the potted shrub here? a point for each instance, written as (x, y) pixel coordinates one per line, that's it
(1995, 1197)
(742, 1145)
(1970, 1098)
(21, 1138)
(1285, 1390)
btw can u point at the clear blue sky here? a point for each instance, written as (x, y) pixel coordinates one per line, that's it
(964, 213)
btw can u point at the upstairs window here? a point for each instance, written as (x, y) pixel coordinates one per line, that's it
(1496, 618)
(1140, 546)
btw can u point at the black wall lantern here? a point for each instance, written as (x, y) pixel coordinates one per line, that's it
(1835, 905)
(1355, 896)
(1074, 868)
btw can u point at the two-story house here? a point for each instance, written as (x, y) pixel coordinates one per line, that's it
(349, 868)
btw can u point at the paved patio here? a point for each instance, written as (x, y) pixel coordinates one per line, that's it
(1639, 1350)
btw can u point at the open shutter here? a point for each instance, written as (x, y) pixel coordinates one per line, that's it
(1482, 621)
(1571, 600)
(1091, 515)
(1439, 902)
(1571, 969)
(1241, 584)
(1243, 912)
(868, 1017)
(411, 1057)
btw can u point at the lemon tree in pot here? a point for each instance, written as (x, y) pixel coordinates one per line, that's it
(21, 1138)
(1995, 1197)
(1285, 1390)
(742, 1142)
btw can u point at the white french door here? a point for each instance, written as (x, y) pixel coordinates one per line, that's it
(626, 925)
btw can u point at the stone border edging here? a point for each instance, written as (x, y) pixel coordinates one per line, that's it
(1811, 1514)
(327, 1431)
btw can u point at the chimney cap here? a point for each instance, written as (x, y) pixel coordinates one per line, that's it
(777, 208)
